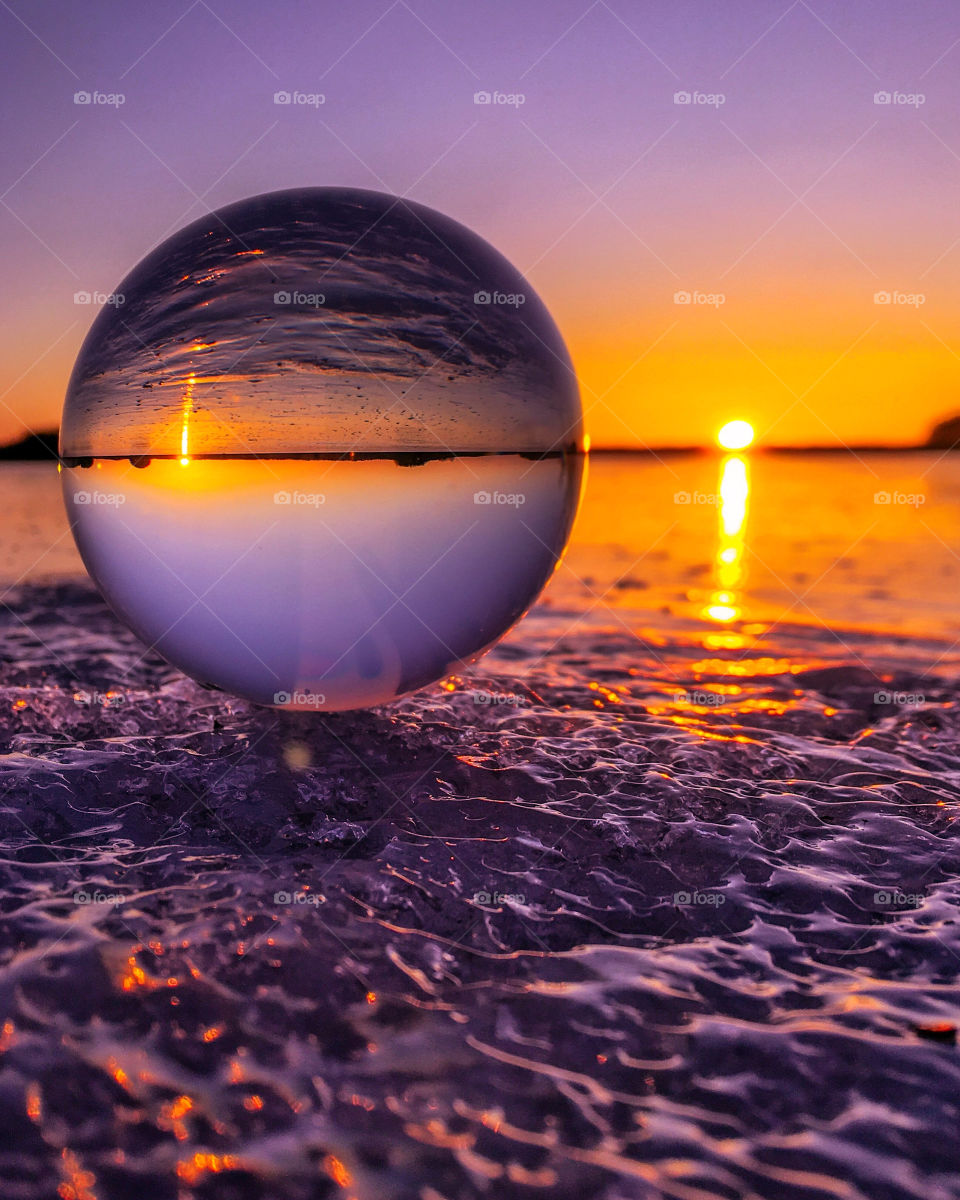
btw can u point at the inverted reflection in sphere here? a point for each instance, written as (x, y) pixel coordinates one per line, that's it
(322, 447)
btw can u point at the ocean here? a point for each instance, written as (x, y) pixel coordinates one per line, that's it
(657, 899)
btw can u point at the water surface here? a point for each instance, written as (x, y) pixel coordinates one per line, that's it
(658, 899)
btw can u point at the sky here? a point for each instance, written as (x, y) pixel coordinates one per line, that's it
(732, 208)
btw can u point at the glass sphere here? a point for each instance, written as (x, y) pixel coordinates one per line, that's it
(321, 447)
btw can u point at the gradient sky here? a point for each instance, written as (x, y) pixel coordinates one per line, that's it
(797, 199)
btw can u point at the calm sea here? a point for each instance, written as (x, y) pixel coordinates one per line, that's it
(868, 543)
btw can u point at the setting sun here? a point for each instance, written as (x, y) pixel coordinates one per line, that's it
(735, 435)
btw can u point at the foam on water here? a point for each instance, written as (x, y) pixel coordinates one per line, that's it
(584, 921)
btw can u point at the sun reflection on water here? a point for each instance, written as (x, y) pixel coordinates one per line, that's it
(734, 493)
(187, 414)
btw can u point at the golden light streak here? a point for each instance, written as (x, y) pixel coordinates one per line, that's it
(734, 491)
(187, 405)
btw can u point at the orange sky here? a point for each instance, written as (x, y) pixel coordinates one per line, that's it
(796, 199)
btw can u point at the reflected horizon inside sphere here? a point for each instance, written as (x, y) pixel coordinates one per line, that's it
(325, 447)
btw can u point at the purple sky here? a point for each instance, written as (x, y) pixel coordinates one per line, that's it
(699, 198)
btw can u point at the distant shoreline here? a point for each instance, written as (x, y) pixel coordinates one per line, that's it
(661, 451)
(42, 447)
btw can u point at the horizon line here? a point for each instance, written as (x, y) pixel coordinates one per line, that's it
(45, 436)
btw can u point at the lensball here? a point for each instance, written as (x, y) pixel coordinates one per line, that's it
(322, 447)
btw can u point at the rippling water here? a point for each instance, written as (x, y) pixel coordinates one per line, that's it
(660, 900)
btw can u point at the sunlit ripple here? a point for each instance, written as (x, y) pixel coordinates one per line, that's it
(734, 493)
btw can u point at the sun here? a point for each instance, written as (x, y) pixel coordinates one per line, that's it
(735, 435)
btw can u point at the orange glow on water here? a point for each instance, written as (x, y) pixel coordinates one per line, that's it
(181, 1105)
(172, 1117)
(134, 976)
(77, 1182)
(118, 1072)
(191, 1170)
(337, 1171)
